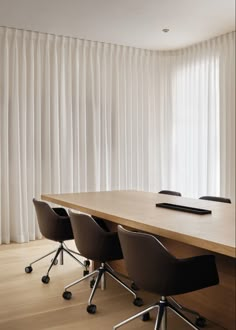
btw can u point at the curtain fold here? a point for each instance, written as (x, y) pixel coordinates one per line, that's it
(78, 115)
(227, 115)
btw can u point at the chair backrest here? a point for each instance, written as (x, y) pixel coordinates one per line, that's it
(92, 240)
(146, 259)
(52, 225)
(170, 192)
(216, 199)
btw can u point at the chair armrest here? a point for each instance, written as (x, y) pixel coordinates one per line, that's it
(196, 273)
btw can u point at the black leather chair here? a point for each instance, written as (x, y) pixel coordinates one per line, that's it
(200, 320)
(97, 244)
(170, 192)
(164, 192)
(161, 273)
(54, 224)
(216, 199)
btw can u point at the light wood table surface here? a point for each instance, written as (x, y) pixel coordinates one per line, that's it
(184, 234)
(214, 232)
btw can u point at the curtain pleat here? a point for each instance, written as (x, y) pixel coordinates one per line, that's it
(78, 116)
(227, 115)
(4, 145)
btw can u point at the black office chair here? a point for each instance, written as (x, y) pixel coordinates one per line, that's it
(200, 320)
(54, 224)
(99, 245)
(216, 199)
(170, 192)
(163, 274)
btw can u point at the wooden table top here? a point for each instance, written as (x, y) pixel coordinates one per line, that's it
(135, 209)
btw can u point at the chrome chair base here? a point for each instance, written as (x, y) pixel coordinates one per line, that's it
(199, 319)
(59, 252)
(100, 273)
(161, 320)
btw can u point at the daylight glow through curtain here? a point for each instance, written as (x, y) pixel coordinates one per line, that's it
(86, 116)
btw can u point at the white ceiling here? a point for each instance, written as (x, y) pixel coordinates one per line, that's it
(136, 23)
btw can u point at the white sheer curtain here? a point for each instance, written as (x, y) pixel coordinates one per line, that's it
(83, 116)
(227, 115)
(203, 108)
(75, 116)
(196, 133)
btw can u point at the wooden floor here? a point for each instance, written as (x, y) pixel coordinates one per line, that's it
(27, 303)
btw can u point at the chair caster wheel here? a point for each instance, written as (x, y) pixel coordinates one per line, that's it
(45, 279)
(138, 302)
(86, 263)
(146, 317)
(200, 321)
(92, 282)
(91, 309)
(85, 272)
(55, 262)
(134, 287)
(67, 295)
(28, 269)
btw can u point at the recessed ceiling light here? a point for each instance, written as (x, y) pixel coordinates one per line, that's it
(165, 30)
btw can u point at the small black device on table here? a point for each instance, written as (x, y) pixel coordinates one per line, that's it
(183, 208)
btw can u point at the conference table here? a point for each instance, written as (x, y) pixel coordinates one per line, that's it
(184, 234)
